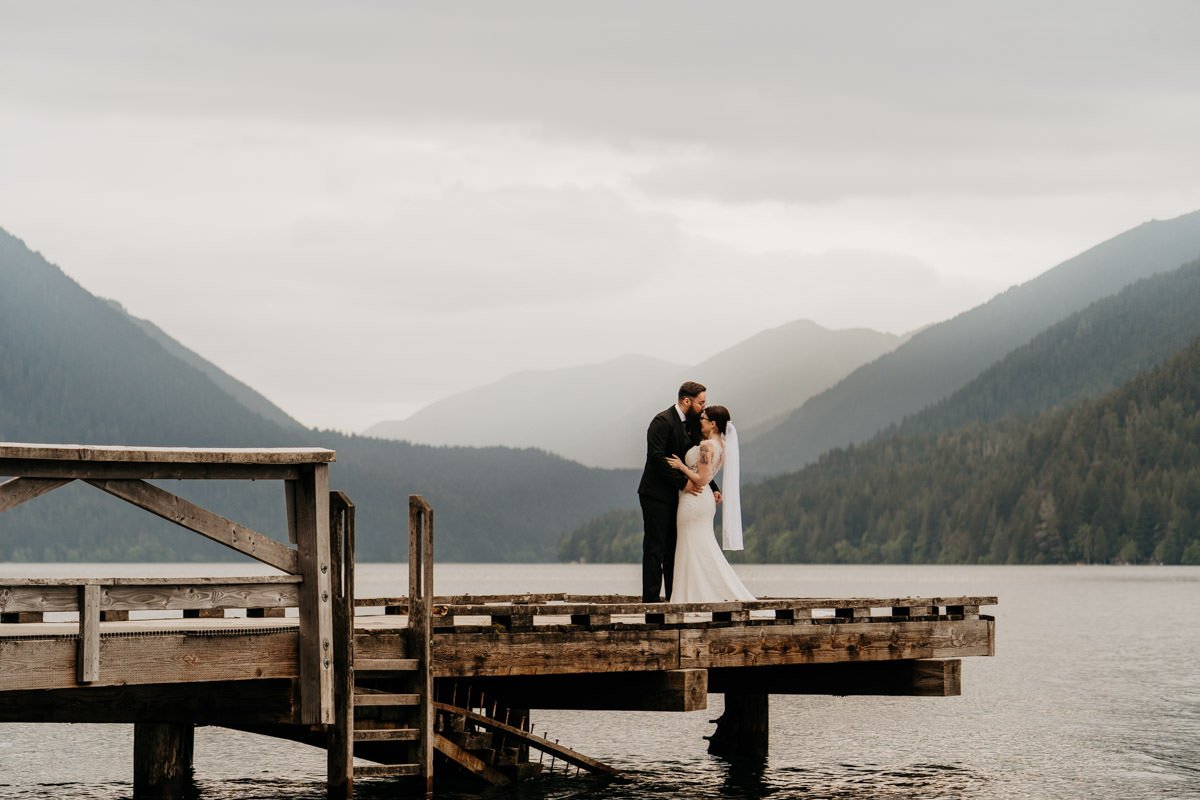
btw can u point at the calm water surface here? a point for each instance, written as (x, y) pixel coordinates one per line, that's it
(1094, 692)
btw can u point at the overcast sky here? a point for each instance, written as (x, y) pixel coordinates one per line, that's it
(358, 208)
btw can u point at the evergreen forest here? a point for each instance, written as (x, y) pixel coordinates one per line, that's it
(1110, 480)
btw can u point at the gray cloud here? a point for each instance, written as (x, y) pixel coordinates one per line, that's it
(457, 191)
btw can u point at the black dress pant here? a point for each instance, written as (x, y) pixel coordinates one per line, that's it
(658, 546)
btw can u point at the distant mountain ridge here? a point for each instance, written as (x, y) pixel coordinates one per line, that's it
(597, 414)
(74, 369)
(1087, 354)
(941, 359)
(1113, 479)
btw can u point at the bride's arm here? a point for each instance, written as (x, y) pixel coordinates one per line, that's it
(703, 472)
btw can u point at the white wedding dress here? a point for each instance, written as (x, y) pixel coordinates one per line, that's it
(702, 575)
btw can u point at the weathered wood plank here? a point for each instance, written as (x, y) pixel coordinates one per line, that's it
(555, 604)
(369, 699)
(420, 598)
(39, 663)
(339, 767)
(545, 745)
(383, 644)
(705, 648)
(364, 666)
(89, 635)
(219, 703)
(469, 762)
(39, 599)
(54, 595)
(177, 581)
(479, 654)
(316, 607)
(204, 596)
(387, 770)
(169, 455)
(387, 735)
(16, 491)
(200, 520)
(132, 470)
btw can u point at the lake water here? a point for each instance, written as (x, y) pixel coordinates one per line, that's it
(1094, 693)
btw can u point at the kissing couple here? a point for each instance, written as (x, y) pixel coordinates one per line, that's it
(686, 446)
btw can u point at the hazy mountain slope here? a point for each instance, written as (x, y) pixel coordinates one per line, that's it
(1085, 355)
(231, 385)
(597, 414)
(591, 414)
(943, 358)
(75, 369)
(1111, 479)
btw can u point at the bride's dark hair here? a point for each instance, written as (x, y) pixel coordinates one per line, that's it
(719, 415)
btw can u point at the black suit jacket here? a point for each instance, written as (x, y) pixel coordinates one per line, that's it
(666, 436)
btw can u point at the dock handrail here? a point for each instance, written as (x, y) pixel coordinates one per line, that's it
(124, 471)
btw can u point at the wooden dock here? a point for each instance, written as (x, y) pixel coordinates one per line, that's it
(416, 685)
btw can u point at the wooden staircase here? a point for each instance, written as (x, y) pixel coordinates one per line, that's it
(386, 711)
(387, 723)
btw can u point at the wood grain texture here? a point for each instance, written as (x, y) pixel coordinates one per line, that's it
(479, 654)
(168, 455)
(850, 641)
(16, 491)
(316, 600)
(203, 596)
(200, 520)
(180, 658)
(132, 470)
(89, 635)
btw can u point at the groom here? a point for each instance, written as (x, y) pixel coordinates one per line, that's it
(671, 432)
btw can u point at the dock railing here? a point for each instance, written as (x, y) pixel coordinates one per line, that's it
(123, 472)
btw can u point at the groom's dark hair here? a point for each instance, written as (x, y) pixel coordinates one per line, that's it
(691, 389)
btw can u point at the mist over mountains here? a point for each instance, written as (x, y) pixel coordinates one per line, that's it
(944, 357)
(77, 369)
(1083, 446)
(597, 414)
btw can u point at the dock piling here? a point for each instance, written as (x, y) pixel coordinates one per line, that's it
(162, 761)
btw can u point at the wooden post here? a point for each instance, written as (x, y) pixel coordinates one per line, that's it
(162, 761)
(742, 731)
(89, 634)
(316, 606)
(420, 609)
(340, 745)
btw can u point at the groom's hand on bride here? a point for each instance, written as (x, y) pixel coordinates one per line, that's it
(693, 488)
(717, 496)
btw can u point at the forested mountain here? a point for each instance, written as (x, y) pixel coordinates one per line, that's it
(239, 391)
(1111, 479)
(943, 358)
(1085, 355)
(597, 414)
(74, 369)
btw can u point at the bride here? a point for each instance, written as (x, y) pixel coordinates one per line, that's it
(702, 575)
